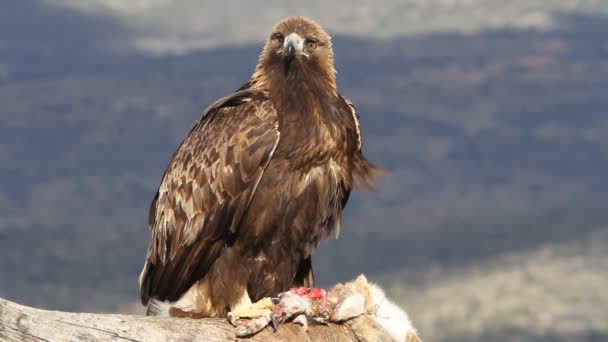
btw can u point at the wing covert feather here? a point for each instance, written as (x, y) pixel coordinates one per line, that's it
(205, 191)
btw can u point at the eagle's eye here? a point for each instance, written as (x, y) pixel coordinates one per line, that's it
(311, 44)
(277, 39)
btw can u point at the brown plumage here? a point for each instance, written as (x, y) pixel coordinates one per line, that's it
(258, 181)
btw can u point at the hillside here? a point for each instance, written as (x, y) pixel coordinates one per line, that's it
(181, 26)
(495, 141)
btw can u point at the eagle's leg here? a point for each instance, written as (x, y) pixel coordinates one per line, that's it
(259, 308)
(243, 303)
(249, 318)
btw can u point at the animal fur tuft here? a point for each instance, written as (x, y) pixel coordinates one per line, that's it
(384, 320)
(391, 317)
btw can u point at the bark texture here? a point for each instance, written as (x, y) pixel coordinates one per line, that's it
(22, 323)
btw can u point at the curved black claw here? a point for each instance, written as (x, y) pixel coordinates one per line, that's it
(275, 300)
(274, 323)
(232, 319)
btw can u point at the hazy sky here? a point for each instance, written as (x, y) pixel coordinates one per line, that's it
(181, 25)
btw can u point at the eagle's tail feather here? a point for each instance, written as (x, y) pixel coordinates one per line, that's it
(365, 172)
(158, 308)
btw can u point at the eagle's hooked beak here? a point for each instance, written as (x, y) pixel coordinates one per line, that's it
(292, 46)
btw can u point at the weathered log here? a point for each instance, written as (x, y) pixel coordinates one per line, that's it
(22, 323)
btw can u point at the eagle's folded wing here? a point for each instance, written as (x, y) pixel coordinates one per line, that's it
(206, 190)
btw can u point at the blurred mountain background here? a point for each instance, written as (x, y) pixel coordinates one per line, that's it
(491, 116)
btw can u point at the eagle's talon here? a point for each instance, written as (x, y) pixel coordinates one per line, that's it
(231, 319)
(319, 320)
(274, 322)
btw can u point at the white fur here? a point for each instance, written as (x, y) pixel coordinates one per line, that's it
(390, 316)
(352, 306)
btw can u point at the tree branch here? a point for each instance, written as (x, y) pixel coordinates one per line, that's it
(22, 323)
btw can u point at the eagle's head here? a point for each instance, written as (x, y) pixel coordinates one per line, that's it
(298, 49)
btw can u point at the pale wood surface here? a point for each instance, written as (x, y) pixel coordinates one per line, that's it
(22, 323)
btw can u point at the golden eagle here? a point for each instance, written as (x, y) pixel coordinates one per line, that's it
(258, 181)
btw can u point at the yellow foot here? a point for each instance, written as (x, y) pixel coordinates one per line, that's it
(262, 307)
(251, 319)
